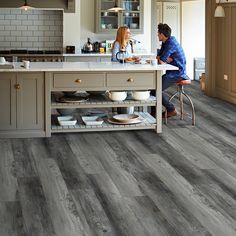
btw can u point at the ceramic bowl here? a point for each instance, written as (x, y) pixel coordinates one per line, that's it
(117, 95)
(140, 95)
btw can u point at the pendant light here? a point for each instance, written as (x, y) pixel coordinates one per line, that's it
(219, 11)
(116, 8)
(26, 6)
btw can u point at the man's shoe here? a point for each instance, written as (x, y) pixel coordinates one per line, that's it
(169, 114)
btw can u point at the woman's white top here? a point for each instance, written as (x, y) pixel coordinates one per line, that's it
(116, 49)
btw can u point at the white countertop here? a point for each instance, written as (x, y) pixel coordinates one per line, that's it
(102, 54)
(87, 66)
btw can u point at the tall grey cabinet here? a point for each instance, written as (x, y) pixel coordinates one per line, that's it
(109, 21)
(22, 104)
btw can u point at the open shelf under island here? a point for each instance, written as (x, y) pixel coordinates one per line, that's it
(26, 94)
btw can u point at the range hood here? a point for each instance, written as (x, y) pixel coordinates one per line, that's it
(67, 5)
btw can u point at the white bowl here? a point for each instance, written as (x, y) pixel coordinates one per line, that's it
(133, 26)
(117, 95)
(140, 95)
(66, 120)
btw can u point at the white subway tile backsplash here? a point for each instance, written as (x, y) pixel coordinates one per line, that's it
(33, 27)
(44, 39)
(27, 22)
(27, 45)
(33, 39)
(33, 17)
(21, 17)
(10, 39)
(49, 33)
(11, 27)
(43, 27)
(38, 22)
(27, 33)
(15, 33)
(16, 22)
(21, 27)
(48, 44)
(38, 33)
(5, 22)
(38, 44)
(32, 30)
(5, 33)
(21, 39)
(16, 44)
(4, 11)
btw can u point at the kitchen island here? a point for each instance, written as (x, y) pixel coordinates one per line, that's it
(27, 101)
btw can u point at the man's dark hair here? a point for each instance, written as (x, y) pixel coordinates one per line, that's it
(164, 29)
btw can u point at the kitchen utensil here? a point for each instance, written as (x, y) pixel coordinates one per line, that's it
(125, 117)
(140, 95)
(125, 110)
(92, 120)
(154, 62)
(113, 121)
(70, 49)
(2, 60)
(133, 25)
(117, 95)
(66, 120)
(66, 111)
(120, 56)
(26, 64)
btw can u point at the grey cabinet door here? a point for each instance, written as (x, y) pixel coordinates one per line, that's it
(30, 101)
(7, 101)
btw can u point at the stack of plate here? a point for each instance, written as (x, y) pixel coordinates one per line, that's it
(125, 119)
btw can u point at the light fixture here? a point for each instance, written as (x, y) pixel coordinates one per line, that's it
(26, 6)
(219, 11)
(116, 8)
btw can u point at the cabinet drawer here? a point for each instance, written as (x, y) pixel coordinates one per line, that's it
(78, 80)
(131, 80)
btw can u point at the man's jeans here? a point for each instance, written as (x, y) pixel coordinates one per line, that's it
(166, 83)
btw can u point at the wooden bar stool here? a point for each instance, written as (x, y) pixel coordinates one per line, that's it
(180, 91)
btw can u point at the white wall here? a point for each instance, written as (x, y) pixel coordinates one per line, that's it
(71, 27)
(193, 31)
(81, 25)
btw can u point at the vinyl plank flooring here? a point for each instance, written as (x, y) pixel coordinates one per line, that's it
(179, 183)
(34, 207)
(8, 181)
(217, 223)
(11, 219)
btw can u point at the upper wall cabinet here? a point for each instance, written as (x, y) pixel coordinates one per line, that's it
(109, 21)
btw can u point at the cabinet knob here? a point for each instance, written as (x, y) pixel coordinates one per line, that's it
(17, 86)
(130, 80)
(78, 81)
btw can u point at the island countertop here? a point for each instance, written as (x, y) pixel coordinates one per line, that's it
(87, 66)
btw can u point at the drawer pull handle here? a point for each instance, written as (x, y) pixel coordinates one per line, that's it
(78, 81)
(17, 86)
(130, 80)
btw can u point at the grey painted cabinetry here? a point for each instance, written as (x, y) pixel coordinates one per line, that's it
(7, 101)
(22, 104)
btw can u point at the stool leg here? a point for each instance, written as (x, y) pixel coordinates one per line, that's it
(192, 106)
(181, 101)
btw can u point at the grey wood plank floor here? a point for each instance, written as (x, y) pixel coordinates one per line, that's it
(179, 183)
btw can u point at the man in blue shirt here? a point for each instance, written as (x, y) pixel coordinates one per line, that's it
(172, 53)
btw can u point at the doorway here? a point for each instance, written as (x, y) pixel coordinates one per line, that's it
(189, 20)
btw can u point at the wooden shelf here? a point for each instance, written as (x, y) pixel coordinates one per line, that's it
(149, 122)
(103, 101)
